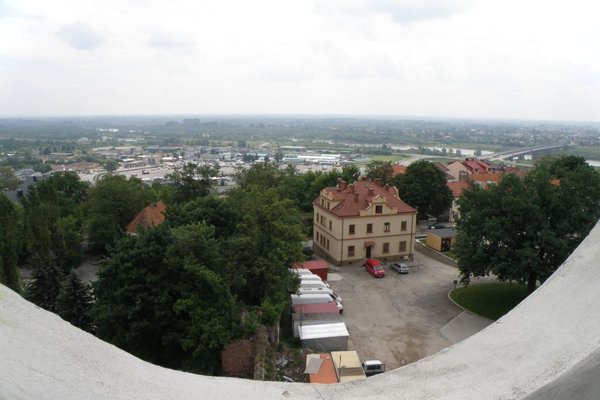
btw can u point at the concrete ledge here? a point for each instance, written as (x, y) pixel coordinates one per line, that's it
(548, 347)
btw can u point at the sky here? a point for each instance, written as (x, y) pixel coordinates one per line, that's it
(506, 59)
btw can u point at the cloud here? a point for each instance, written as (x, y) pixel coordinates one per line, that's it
(404, 11)
(169, 41)
(81, 36)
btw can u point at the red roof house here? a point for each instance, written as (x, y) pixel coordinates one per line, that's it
(151, 216)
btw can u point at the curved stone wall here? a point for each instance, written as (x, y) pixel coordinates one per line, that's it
(546, 348)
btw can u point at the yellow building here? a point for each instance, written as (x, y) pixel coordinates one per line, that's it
(363, 220)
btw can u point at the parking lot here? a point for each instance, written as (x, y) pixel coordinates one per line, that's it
(396, 319)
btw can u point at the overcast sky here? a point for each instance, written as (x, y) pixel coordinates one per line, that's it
(523, 59)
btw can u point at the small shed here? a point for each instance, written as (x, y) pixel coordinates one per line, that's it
(317, 267)
(441, 239)
(324, 337)
(314, 314)
(348, 366)
(320, 369)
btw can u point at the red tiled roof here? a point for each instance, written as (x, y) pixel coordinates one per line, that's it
(457, 187)
(398, 169)
(150, 216)
(360, 195)
(476, 166)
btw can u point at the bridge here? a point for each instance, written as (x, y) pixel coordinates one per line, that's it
(522, 151)
(547, 348)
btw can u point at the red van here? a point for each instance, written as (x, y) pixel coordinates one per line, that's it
(374, 267)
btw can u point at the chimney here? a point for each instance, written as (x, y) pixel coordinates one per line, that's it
(371, 191)
(356, 197)
(341, 185)
(351, 188)
(387, 187)
(377, 181)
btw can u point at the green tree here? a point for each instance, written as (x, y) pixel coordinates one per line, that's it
(211, 210)
(278, 156)
(44, 288)
(267, 240)
(382, 170)
(350, 173)
(161, 297)
(262, 175)
(8, 180)
(192, 180)
(111, 205)
(53, 217)
(424, 187)
(111, 165)
(74, 302)
(10, 243)
(519, 229)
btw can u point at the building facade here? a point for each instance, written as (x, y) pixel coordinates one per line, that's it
(363, 220)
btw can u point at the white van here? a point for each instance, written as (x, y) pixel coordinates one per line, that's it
(316, 298)
(311, 278)
(312, 290)
(373, 367)
(301, 271)
(313, 285)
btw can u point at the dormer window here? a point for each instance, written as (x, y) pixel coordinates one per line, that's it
(378, 209)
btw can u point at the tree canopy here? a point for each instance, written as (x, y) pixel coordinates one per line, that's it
(424, 187)
(523, 229)
(159, 298)
(382, 170)
(10, 243)
(111, 205)
(191, 181)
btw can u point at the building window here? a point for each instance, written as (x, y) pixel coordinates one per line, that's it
(402, 246)
(378, 209)
(330, 225)
(351, 229)
(386, 227)
(317, 218)
(322, 202)
(322, 220)
(350, 251)
(403, 226)
(369, 228)
(386, 247)
(327, 244)
(328, 205)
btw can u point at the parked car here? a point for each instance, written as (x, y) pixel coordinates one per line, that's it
(373, 367)
(437, 226)
(374, 267)
(400, 268)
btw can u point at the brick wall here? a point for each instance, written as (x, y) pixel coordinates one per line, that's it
(237, 358)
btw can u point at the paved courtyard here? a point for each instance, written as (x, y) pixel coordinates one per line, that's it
(397, 319)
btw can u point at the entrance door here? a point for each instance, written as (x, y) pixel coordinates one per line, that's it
(369, 251)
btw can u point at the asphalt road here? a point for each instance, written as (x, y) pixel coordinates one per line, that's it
(398, 318)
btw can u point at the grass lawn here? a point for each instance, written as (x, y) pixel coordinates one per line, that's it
(490, 300)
